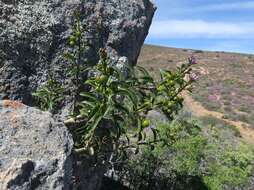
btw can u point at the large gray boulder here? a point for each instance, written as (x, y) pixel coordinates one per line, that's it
(33, 37)
(35, 150)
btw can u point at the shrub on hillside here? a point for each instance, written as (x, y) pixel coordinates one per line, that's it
(211, 158)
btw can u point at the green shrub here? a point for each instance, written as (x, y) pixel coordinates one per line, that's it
(218, 123)
(197, 159)
(229, 166)
(109, 115)
(122, 103)
(49, 96)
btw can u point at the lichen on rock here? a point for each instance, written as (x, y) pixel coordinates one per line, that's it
(35, 149)
(34, 35)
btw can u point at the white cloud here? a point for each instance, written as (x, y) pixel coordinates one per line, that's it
(236, 6)
(226, 6)
(201, 29)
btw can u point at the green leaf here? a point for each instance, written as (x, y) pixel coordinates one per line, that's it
(89, 95)
(91, 104)
(122, 108)
(140, 137)
(128, 93)
(155, 131)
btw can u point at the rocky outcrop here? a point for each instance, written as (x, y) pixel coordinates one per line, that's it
(33, 37)
(35, 149)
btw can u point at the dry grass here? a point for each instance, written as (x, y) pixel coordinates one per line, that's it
(226, 84)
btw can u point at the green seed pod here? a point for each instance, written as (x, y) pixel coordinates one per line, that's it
(72, 43)
(171, 83)
(160, 88)
(145, 123)
(170, 103)
(78, 34)
(171, 94)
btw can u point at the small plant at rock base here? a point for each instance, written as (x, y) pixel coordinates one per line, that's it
(50, 95)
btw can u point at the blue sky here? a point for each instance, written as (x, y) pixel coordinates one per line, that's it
(218, 25)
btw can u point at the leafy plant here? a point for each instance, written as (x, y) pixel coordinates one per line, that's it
(77, 64)
(173, 164)
(117, 105)
(109, 114)
(195, 159)
(50, 95)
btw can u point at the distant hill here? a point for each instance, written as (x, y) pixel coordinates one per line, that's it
(225, 88)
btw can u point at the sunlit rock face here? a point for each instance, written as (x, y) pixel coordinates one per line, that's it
(34, 35)
(35, 149)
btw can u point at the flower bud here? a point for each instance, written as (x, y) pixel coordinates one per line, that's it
(192, 60)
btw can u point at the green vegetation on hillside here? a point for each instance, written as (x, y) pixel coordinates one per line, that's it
(200, 156)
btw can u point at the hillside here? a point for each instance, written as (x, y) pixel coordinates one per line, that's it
(225, 89)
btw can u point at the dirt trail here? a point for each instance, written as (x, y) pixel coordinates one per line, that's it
(198, 110)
